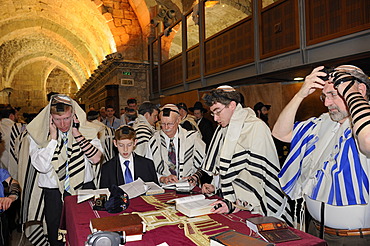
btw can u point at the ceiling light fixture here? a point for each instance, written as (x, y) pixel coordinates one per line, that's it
(298, 79)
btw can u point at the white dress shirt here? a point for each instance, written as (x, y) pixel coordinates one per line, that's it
(41, 160)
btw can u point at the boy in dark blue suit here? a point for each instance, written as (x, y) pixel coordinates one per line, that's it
(127, 166)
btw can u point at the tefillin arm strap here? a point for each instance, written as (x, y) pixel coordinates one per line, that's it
(358, 106)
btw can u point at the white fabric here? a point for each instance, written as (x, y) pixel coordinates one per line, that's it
(190, 152)
(325, 165)
(41, 160)
(144, 131)
(9, 132)
(341, 217)
(244, 156)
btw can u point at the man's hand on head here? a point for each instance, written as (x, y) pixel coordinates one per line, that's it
(52, 129)
(312, 82)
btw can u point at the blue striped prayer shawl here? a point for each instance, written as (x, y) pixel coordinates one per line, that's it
(324, 163)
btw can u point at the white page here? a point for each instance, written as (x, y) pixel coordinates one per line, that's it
(134, 189)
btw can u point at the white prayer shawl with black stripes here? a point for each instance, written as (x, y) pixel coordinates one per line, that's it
(144, 131)
(325, 163)
(9, 132)
(190, 155)
(243, 154)
(106, 136)
(32, 212)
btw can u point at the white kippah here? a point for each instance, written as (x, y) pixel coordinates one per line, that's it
(226, 88)
(349, 68)
(171, 106)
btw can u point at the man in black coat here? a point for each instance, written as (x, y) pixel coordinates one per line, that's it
(127, 166)
(205, 125)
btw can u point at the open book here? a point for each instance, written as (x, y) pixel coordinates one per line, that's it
(182, 186)
(271, 229)
(153, 189)
(134, 189)
(83, 195)
(192, 206)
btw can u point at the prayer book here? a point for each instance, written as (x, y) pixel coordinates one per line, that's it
(153, 189)
(83, 195)
(234, 238)
(271, 229)
(131, 224)
(192, 206)
(134, 189)
(181, 186)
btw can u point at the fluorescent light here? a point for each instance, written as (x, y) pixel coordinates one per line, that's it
(298, 78)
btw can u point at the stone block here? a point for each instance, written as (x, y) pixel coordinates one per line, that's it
(98, 2)
(108, 16)
(118, 13)
(126, 22)
(118, 22)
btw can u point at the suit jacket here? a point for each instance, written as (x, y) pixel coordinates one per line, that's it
(206, 129)
(111, 171)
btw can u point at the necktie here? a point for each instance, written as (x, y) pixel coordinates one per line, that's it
(128, 175)
(66, 179)
(172, 158)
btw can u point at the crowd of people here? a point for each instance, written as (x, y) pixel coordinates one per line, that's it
(64, 149)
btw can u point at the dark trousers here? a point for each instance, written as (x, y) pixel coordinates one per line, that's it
(53, 206)
(334, 240)
(4, 229)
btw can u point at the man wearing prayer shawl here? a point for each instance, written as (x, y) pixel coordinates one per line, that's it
(328, 164)
(242, 159)
(106, 136)
(145, 126)
(176, 152)
(55, 156)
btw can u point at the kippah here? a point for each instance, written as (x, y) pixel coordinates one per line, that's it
(118, 200)
(62, 99)
(226, 88)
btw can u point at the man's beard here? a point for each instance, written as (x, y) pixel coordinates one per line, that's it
(265, 118)
(338, 115)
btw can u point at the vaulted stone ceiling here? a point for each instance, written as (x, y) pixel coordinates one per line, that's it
(46, 42)
(38, 36)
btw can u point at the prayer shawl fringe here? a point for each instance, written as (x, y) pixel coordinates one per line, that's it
(191, 150)
(144, 131)
(244, 156)
(325, 164)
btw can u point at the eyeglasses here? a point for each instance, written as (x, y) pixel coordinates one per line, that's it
(218, 112)
(330, 96)
(167, 124)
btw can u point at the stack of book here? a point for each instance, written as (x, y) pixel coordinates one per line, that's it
(271, 229)
(131, 224)
(192, 206)
(180, 186)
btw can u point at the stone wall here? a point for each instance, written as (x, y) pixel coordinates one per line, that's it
(60, 81)
(125, 28)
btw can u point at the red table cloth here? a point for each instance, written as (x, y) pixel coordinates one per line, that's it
(76, 220)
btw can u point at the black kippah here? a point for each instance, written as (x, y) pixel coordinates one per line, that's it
(118, 200)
